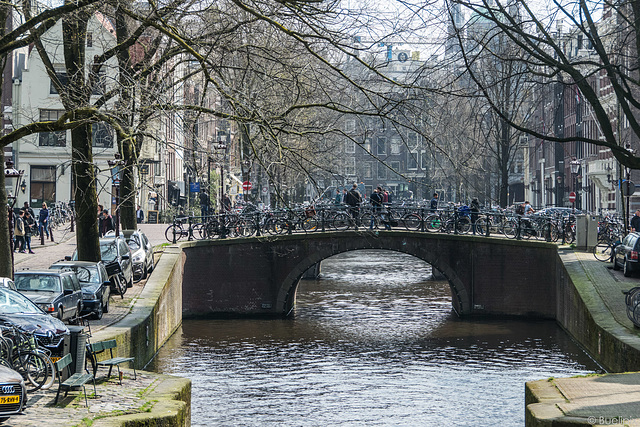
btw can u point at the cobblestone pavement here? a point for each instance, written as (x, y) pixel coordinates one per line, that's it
(112, 399)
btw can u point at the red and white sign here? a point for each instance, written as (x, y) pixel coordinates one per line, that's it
(572, 197)
(246, 186)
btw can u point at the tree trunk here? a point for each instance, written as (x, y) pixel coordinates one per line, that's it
(86, 196)
(127, 188)
(6, 254)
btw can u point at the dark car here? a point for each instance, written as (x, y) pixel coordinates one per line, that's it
(626, 254)
(56, 292)
(141, 251)
(95, 284)
(116, 257)
(13, 393)
(18, 309)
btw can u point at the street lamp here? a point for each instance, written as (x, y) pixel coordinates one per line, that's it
(574, 164)
(116, 183)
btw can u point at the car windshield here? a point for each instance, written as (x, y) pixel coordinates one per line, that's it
(85, 274)
(37, 283)
(109, 251)
(134, 243)
(12, 303)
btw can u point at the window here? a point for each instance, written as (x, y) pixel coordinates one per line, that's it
(350, 166)
(43, 185)
(61, 74)
(367, 145)
(349, 146)
(350, 125)
(382, 171)
(52, 139)
(423, 160)
(67, 284)
(395, 145)
(368, 170)
(381, 147)
(101, 135)
(89, 39)
(413, 139)
(412, 161)
(395, 166)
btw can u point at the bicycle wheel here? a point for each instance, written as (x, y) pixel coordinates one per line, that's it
(603, 252)
(464, 225)
(367, 217)
(341, 221)
(412, 222)
(310, 224)
(509, 229)
(481, 227)
(51, 372)
(35, 369)
(173, 229)
(245, 228)
(196, 230)
(433, 223)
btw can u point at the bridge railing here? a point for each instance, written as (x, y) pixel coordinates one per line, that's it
(309, 219)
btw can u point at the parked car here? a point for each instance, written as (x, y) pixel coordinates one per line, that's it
(626, 254)
(5, 282)
(49, 331)
(56, 292)
(116, 257)
(95, 284)
(13, 393)
(142, 253)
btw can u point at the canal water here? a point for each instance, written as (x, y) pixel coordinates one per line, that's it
(372, 342)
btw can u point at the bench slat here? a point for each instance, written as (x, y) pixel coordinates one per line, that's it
(77, 380)
(116, 361)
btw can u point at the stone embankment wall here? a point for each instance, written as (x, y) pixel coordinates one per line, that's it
(157, 315)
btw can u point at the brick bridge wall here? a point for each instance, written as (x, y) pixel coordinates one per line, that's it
(260, 275)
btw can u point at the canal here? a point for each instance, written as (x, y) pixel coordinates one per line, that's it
(372, 342)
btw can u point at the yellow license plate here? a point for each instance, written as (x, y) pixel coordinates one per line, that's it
(55, 359)
(6, 400)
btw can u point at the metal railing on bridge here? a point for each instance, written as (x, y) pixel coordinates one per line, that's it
(452, 219)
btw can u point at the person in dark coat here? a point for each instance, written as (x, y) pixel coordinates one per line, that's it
(107, 222)
(434, 202)
(635, 221)
(376, 203)
(353, 199)
(475, 210)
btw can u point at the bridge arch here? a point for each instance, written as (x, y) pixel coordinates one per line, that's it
(289, 286)
(260, 275)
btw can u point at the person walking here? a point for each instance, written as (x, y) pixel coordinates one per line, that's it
(635, 221)
(337, 200)
(107, 222)
(29, 227)
(43, 218)
(434, 202)
(18, 232)
(475, 211)
(139, 215)
(353, 199)
(376, 205)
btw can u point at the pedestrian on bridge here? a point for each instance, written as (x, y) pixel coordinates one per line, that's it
(376, 205)
(434, 202)
(353, 199)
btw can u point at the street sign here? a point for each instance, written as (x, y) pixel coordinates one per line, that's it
(628, 188)
(265, 189)
(246, 186)
(194, 187)
(572, 197)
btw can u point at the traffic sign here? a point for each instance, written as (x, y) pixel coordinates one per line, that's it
(246, 186)
(572, 197)
(628, 188)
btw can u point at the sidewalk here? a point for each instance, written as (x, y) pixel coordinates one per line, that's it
(596, 399)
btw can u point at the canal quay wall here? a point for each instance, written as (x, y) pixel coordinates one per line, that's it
(140, 334)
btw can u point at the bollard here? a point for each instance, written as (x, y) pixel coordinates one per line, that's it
(455, 220)
(51, 234)
(71, 226)
(173, 231)
(42, 235)
(190, 231)
(519, 228)
(422, 219)
(322, 218)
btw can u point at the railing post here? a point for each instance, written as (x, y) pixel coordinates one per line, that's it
(223, 226)
(190, 231)
(322, 213)
(564, 236)
(455, 220)
(487, 232)
(519, 228)
(422, 219)
(173, 230)
(548, 236)
(257, 216)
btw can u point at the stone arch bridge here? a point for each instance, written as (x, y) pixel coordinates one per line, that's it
(260, 275)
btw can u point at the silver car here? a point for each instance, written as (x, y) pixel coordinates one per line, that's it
(142, 253)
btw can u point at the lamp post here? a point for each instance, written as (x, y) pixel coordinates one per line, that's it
(11, 172)
(574, 164)
(116, 183)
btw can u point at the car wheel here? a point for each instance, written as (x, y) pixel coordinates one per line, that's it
(626, 269)
(60, 313)
(153, 264)
(615, 263)
(145, 272)
(105, 309)
(97, 315)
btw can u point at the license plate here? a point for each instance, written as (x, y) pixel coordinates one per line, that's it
(54, 359)
(7, 400)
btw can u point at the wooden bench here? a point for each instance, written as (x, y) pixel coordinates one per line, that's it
(75, 380)
(99, 347)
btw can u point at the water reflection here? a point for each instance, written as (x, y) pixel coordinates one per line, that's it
(372, 342)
